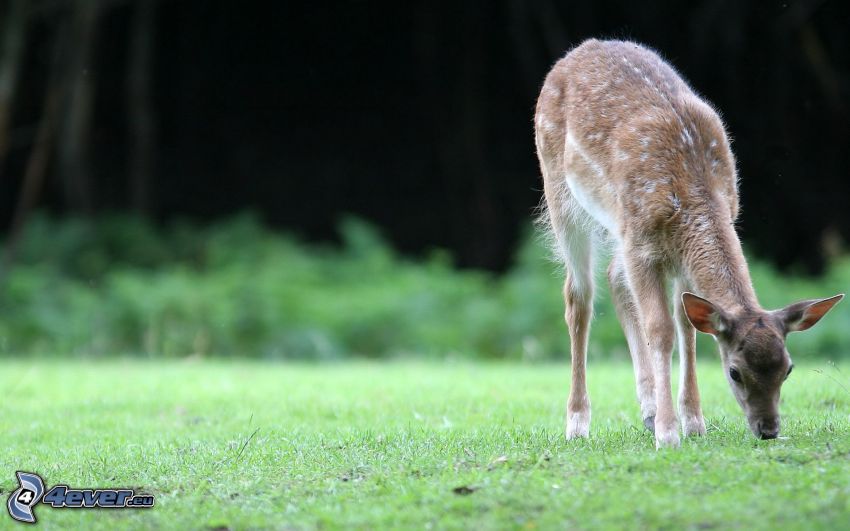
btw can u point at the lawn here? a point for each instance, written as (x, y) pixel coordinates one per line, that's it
(251, 445)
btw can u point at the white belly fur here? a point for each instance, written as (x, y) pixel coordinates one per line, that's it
(589, 204)
(591, 171)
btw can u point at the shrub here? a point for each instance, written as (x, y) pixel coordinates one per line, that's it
(120, 286)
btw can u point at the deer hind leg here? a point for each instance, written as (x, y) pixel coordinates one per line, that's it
(578, 299)
(690, 411)
(627, 313)
(575, 244)
(646, 280)
(574, 240)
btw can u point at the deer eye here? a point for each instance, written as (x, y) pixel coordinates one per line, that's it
(734, 374)
(791, 368)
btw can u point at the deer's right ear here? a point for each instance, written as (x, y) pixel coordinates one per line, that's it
(805, 314)
(704, 315)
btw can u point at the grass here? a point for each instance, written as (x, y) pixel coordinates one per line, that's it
(253, 445)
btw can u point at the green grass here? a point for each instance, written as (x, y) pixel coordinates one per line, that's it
(253, 445)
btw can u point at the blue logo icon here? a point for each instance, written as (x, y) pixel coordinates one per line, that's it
(22, 501)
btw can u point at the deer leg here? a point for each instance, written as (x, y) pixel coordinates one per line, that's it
(689, 402)
(578, 298)
(646, 280)
(627, 313)
(576, 245)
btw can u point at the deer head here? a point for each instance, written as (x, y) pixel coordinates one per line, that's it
(753, 353)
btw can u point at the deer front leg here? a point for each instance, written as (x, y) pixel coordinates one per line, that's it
(689, 403)
(646, 281)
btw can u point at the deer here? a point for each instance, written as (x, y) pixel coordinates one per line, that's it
(636, 163)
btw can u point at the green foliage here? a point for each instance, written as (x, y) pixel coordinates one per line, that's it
(120, 286)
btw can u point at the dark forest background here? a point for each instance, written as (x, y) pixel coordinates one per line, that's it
(413, 115)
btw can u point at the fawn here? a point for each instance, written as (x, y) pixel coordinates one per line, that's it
(634, 160)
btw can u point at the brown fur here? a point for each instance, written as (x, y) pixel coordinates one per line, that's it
(630, 154)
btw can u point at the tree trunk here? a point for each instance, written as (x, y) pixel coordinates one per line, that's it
(14, 31)
(40, 154)
(74, 164)
(142, 125)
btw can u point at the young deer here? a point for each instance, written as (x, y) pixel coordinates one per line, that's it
(630, 155)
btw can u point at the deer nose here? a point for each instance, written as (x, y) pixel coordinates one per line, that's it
(768, 429)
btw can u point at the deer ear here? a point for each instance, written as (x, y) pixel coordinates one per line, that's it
(805, 314)
(704, 315)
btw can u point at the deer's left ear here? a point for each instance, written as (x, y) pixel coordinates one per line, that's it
(804, 314)
(704, 315)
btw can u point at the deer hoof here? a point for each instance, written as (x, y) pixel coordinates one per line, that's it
(578, 425)
(693, 426)
(667, 439)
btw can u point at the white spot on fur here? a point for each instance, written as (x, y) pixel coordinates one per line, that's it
(546, 124)
(687, 139)
(701, 224)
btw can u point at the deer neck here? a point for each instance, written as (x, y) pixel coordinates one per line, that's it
(714, 262)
